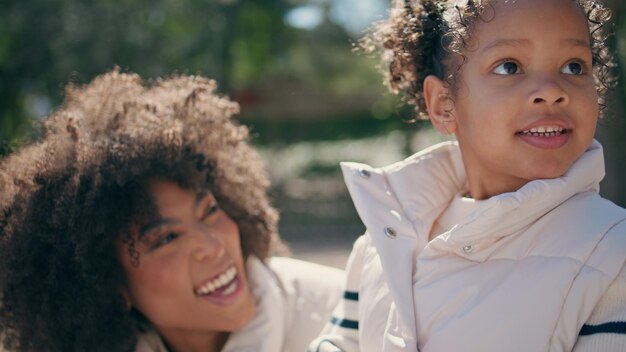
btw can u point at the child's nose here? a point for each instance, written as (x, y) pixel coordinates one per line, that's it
(549, 92)
(207, 245)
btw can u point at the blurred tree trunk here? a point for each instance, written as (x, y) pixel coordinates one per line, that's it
(612, 130)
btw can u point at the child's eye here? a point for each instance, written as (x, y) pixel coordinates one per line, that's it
(507, 68)
(163, 240)
(573, 68)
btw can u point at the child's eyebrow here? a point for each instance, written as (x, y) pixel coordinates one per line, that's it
(578, 42)
(498, 43)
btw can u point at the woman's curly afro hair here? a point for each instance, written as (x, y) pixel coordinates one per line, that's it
(67, 200)
(427, 37)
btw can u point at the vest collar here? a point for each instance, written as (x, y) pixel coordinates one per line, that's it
(420, 187)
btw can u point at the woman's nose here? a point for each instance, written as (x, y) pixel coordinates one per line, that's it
(207, 245)
(549, 92)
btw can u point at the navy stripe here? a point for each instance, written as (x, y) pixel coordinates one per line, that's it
(352, 296)
(345, 323)
(615, 327)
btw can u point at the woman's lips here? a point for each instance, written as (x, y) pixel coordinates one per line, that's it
(224, 288)
(218, 281)
(226, 294)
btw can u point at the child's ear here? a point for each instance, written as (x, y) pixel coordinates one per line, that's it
(439, 105)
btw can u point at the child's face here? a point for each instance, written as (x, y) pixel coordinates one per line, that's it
(528, 72)
(190, 280)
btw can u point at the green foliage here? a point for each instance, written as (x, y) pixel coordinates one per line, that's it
(256, 41)
(244, 44)
(285, 132)
(46, 43)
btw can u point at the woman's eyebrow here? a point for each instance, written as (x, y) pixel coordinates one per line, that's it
(200, 197)
(145, 229)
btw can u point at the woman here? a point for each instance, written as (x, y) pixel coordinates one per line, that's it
(140, 222)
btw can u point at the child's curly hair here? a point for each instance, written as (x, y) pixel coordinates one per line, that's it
(68, 200)
(427, 37)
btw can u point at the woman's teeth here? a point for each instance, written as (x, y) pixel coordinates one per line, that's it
(221, 281)
(544, 131)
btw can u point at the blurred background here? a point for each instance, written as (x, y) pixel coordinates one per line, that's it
(309, 100)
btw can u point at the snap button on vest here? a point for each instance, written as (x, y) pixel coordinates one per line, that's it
(390, 232)
(364, 173)
(468, 248)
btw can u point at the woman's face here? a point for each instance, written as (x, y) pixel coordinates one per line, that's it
(190, 277)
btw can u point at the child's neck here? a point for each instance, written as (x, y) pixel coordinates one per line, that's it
(480, 191)
(484, 187)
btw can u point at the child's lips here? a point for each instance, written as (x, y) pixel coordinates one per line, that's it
(551, 121)
(545, 140)
(550, 132)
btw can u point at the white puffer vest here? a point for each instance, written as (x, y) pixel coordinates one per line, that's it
(523, 272)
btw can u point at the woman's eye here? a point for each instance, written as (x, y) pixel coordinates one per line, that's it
(507, 68)
(163, 240)
(573, 68)
(210, 210)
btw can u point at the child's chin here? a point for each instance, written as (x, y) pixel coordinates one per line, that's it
(550, 173)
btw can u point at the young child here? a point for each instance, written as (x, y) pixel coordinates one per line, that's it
(499, 241)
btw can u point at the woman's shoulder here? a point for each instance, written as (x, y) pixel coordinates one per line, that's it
(311, 292)
(149, 341)
(291, 269)
(306, 280)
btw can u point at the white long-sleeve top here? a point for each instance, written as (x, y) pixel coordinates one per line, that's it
(293, 300)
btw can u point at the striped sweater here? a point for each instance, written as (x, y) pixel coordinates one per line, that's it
(605, 329)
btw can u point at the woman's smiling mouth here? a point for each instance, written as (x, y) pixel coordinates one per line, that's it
(223, 285)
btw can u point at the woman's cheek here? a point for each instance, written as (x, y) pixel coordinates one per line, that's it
(161, 270)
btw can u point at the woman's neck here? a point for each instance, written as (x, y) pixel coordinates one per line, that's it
(179, 341)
